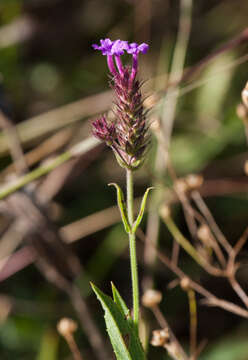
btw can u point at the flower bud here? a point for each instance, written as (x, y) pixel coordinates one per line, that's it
(160, 337)
(66, 327)
(151, 298)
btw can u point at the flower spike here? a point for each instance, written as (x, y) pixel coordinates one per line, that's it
(127, 135)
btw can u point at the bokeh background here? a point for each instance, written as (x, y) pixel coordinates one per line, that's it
(46, 63)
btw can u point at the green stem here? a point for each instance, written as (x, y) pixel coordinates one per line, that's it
(132, 246)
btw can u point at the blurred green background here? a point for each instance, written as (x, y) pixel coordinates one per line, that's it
(46, 61)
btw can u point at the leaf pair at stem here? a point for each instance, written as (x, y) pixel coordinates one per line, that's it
(130, 228)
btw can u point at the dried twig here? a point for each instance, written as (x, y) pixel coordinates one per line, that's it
(216, 230)
(14, 144)
(210, 299)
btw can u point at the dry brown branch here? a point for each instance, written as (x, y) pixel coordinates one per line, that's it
(210, 299)
(54, 120)
(16, 262)
(238, 289)
(240, 243)
(14, 144)
(212, 224)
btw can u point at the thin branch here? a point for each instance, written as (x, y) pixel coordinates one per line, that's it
(210, 299)
(216, 230)
(238, 289)
(41, 125)
(14, 144)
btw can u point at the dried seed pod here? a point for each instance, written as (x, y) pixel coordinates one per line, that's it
(66, 327)
(194, 181)
(160, 337)
(204, 234)
(151, 298)
(181, 186)
(185, 284)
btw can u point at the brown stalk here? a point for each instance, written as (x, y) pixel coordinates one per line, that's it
(54, 120)
(14, 144)
(210, 299)
(216, 230)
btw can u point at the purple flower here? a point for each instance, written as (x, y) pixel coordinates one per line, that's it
(118, 47)
(105, 47)
(134, 48)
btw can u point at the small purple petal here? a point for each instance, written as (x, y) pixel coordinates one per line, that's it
(118, 47)
(143, 48)
(134, 48)
(105, 47)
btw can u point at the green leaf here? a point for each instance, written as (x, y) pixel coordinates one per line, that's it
(123, 337)
(142, 210)
(122, 207)
(120, 302)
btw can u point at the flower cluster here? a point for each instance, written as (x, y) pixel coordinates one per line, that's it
(127, 134)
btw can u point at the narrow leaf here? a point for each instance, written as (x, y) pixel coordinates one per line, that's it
(122, 207)
(123, 337)
(120, 302)
(142, 210)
